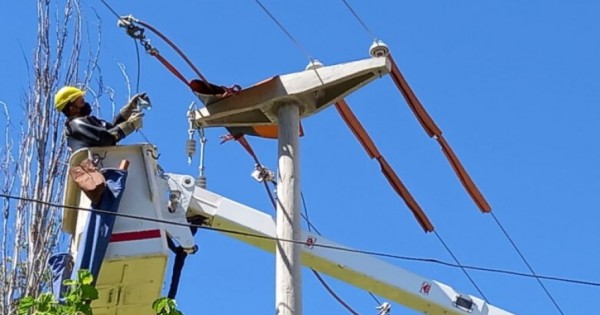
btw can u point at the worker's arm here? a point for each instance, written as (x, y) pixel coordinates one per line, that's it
(91, 134)
(123, 129)
(119, 118)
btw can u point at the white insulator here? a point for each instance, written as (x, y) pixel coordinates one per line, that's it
(314, 64)
(379, 49)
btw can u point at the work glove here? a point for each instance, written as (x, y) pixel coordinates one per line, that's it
(128, 109)
(133, 123)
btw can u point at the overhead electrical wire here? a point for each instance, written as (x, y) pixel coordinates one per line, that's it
(483, 205)
(138, 62)
(111, 9)
(364, 25)
(246, 145)
(288, 34)
(461, 268)
(357, 251)
(526, 263)
(312, 227)
(137, 81)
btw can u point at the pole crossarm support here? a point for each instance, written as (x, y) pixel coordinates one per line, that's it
(312, 90)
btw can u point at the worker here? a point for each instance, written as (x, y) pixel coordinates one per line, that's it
(85, 130)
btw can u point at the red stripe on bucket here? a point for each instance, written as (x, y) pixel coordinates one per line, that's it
(134, 236)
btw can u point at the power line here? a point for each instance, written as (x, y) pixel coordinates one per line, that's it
(366, 252)
(364, 25)
(325, 285)
(111, 9)
(514, 245)
(288, 34)
(462, 268)
(310, 226)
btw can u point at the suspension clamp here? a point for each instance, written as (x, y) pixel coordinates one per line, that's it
(263, 174)
(233, 90)
(384, 309)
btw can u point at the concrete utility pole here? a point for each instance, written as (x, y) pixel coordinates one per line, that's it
(288, 277)
(282, 101)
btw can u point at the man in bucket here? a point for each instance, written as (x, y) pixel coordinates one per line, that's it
(85, 130)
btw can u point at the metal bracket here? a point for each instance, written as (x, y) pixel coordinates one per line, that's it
(179, 196)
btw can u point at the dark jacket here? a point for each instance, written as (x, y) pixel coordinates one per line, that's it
(90, 131)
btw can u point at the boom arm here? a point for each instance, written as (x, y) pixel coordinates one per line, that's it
(361, 270)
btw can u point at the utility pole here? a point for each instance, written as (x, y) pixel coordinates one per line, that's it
(288, 275)
(282, 101)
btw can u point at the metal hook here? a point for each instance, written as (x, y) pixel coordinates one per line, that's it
(97, 158)
(151, 153)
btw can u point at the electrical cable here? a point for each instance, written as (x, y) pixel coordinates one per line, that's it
(332, 293)
(327, 287)
(111, 9)
(137, 81)
(137, 50)
(526, 262)
(139, 66)
(308, 223)
(463, 269)
(338, 248)
(312, 227)
(364, 25)
(297, 43)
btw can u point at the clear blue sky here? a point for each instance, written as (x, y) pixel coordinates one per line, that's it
(514, 85)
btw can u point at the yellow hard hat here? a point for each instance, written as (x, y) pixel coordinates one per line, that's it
(65, 95)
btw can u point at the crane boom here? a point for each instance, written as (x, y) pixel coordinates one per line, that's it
(350, 266)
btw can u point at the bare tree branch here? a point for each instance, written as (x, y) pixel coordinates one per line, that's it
(33, 161)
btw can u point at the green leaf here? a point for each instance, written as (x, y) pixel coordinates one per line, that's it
(86, 309)
(72, 298)
(69, 282)
(85, 277)
(159, 305)
(165, 306)
(88, 292)
(46, 298)
(25, 304)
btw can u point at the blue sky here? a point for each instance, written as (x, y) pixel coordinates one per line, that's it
(514, 85)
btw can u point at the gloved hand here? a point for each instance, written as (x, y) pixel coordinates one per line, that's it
(133, 123)
(136, 120)
(128, 109)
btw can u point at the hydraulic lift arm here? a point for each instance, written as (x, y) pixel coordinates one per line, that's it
(361, 270)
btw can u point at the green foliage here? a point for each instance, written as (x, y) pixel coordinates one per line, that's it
(77, 300)
(165, 306)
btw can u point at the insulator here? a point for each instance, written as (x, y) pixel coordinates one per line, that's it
(190, 148)
(314, 64)
(379, 49)
(201, 182)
